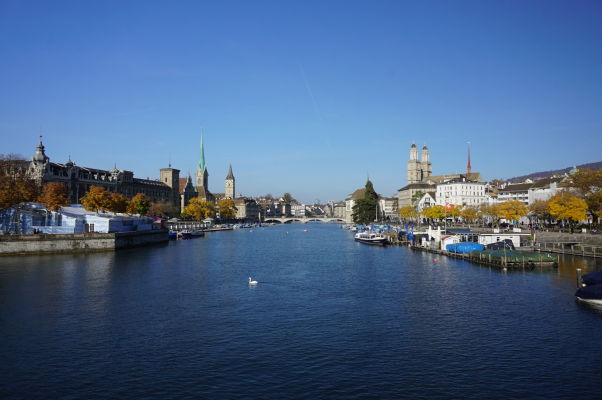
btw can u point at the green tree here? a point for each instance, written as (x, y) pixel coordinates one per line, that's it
(287, 197)
(54, 195)
(227, 209)
(139, 204)
(364, 209)
(97, 199)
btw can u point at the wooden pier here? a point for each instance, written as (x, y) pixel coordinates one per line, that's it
(570, 248)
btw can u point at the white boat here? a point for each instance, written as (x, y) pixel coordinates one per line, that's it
(375, 239)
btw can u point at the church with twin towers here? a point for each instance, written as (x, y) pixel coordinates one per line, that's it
(200, 187)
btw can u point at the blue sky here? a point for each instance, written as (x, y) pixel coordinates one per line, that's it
(307, 97)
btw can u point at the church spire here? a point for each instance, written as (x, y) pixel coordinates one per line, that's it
(230, 174)
(468, 167)
(202, 160)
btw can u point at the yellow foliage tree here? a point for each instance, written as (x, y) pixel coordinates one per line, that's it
(54, 195)
(435, 212)
(119, 203)
(227, 209)
(408, 212)
(199, 209)
(512, 210)
(139, 204)
(470, 213)
(566, 206)
(97, 199)
(492, 211)
(454, 210)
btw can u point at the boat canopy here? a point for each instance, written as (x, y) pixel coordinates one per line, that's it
(593, 292)
(593, 278)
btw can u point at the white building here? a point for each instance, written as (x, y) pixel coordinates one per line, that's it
(461, 191)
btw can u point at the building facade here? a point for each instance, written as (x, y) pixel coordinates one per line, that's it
(79, 180)
(461, 191)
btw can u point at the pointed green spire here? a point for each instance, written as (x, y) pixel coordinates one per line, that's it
(202, 161)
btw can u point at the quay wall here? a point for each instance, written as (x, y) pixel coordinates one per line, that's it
(76, 243)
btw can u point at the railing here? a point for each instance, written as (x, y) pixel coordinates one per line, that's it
(571, 248)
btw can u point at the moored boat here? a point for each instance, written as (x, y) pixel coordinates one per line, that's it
(372, 238)
(591, 292)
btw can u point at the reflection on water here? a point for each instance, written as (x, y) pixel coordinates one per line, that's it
(330, 318)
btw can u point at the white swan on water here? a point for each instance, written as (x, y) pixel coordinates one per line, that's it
(252, 282)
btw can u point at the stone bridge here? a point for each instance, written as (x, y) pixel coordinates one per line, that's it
(304, 220)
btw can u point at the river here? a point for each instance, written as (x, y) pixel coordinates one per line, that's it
(329, 319)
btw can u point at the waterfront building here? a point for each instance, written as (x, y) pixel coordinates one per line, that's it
(427, 200)
(78, 180)
(30, 218)
(421, 180)
(340, 210)
(388, 208)
(246, 209)
(461, 191)
(298, 210)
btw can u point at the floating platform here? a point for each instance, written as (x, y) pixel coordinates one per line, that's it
(509, 259)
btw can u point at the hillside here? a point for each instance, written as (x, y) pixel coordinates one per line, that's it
(547, 174)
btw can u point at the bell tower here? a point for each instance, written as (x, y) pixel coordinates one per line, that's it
(230, 190)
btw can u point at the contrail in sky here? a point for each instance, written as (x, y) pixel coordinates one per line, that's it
(311, 93)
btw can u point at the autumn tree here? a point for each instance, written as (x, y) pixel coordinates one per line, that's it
(454, 210)
(492, 211)
(139, 204)
(226, 208)
(470, 213)
(588, 184)
(435, 212)
(97, 199)
(512, 210)
(119, 203)
(408, 212)
(364, 209)
(594, 203)
(199, 209)
(163, 209)
(16, 186)
(566, 206)
(539, 208)
(54, 195)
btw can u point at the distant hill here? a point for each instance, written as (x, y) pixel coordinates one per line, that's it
(547, 174)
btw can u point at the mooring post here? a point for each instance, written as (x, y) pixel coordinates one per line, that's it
(578, 277)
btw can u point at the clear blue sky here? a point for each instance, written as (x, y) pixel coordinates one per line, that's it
(304, 96)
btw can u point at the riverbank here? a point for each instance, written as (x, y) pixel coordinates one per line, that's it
(12, 245)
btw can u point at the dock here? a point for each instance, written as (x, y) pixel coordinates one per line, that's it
(570, 248)
(510, 262)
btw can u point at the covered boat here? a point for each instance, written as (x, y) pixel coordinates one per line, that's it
(590, 294)
(594, 278)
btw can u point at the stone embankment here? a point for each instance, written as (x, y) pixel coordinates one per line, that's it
(77, 243)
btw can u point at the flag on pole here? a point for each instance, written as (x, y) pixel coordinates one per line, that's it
(448, 206)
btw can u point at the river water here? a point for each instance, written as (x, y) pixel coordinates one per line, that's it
(329, 319)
